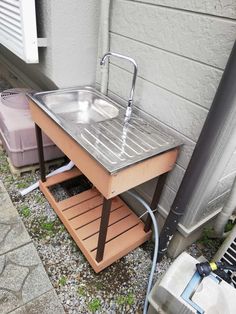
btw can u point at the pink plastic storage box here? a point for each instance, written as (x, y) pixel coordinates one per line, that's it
(17, 130)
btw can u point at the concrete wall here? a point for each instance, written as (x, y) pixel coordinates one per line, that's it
(181, 48)
(69, 59)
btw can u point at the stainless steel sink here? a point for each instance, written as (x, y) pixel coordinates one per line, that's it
(98, 124)
(78, 106)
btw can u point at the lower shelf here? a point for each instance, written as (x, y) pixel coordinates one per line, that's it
(81, 215)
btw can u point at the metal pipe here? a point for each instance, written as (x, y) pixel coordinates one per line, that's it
(131, 96)
(155, 199)
(218, 126)
(39, 140)
(104, 41)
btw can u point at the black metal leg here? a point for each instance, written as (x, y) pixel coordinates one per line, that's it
(39, 139)
(155, 200)
(103, 229)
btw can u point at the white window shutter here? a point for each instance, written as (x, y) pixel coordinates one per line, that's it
(18, 28)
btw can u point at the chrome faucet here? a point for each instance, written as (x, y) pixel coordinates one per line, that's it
(131, 96)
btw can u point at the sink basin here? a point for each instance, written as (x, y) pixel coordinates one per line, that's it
(78, 106)
(97, 123)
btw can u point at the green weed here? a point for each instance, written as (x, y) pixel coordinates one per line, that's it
(94, 305)
(229, 226)
(22, 185)
(39, 199)
(206, 238)
(62, 281)
(126, 299)
(81, 291)
(47, 225)
(25, 211)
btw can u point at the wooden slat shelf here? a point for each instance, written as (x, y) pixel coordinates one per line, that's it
(81, 215)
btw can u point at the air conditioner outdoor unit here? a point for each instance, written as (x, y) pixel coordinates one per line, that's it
(227, 254)
(182, 290)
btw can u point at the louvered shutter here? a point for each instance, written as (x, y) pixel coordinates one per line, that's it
(18, 28)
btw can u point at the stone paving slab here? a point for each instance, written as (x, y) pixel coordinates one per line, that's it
(12, 231)
(24, 283)
(45, 304)
(22, 278)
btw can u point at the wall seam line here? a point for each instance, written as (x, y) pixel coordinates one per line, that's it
(164, 88)
(191, 12)
(170, 92)
(169, 52)
(227, 176)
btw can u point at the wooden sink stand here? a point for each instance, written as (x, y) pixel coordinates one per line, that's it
(102, 225)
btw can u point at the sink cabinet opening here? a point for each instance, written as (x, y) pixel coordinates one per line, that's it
(69, 188)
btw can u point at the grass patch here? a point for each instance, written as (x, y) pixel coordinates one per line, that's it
(94, 305)
(48, 225)
(44, 227)
(229, 226)
(81, 291)
(22, 185)
(25, 211)
(62, 281)
(207, 237)
(126, 299)
(39, 199)
(4, 167)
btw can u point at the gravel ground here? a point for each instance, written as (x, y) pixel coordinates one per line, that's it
(120, 288)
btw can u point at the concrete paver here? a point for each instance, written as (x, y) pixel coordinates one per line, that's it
(45, 304)
(12, 231)
(24, 283)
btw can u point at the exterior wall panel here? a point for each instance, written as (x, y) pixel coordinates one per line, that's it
(186, 78)
(224, 8)
(202, 38)
(181, 48)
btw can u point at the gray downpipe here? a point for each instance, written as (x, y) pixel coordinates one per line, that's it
(226, 212)
(218, 125)
(105, 42)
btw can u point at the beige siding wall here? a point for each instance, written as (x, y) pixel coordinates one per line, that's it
(181, 48)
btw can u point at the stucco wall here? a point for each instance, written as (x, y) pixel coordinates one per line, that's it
(71, 29)
(181, 48)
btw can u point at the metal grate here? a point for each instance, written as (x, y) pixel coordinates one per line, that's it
(227, 253)
(18, 28)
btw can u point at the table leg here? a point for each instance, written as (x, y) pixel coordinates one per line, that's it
(155, 200)
(103, 229)
(39, 139)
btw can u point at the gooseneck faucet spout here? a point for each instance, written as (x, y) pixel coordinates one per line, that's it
(131, 96)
